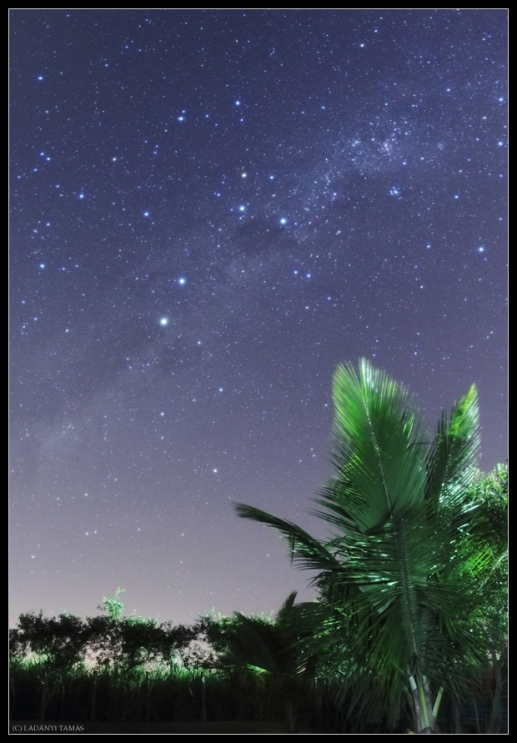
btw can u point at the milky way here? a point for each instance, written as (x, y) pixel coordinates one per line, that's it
(209, 211)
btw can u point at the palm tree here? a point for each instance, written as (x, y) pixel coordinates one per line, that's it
(268, 651)
(390, 575)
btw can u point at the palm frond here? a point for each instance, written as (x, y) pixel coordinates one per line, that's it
(451, 457)
(286, 610)
(378, 426)
(306, 551)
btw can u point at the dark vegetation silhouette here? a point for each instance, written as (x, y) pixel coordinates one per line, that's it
(408, 633)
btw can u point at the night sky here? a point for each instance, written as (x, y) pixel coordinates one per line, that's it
(209, 211)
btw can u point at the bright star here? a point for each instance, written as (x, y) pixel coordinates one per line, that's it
(164, 321)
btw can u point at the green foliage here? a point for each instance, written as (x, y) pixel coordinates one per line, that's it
(485, 550)
(113, 607)
(60, 641)
(267, 652)
(396, 604)
(106, 640)
(487, 540)
(261, 644)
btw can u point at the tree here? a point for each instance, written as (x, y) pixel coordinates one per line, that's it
(270, 651)
(61, 640)
(55, 646)
(390, 576)
(128, 642)
(118, 647)
(113, 607)
(486, 550)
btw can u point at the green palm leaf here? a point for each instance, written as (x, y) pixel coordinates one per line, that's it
(379, 432)
(306, 551)
(451, 457)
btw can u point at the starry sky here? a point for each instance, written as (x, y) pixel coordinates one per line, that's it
(209, 211)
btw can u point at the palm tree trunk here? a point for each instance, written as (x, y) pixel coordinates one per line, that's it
(290, 715)
(457, 716)
(422, 704)
(494, 724)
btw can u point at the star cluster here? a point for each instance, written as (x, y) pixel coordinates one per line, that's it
(209, 211)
